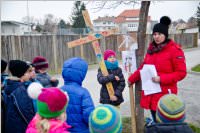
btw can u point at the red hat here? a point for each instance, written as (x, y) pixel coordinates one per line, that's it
(109, 53)
(40, 62)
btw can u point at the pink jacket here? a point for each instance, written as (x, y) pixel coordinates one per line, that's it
(56, 126)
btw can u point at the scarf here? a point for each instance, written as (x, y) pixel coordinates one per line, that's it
(111, 65)
(154, 48)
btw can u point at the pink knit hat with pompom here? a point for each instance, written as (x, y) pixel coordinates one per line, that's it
(51, 102)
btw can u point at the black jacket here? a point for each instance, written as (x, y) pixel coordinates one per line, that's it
(117, 85)
(168, 128)
(19, 107)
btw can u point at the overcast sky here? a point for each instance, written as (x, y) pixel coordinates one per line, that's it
(16, 10)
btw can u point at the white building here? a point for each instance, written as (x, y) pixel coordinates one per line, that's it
(192, 30)
(14, 28)
(128, 21)
(104, 23)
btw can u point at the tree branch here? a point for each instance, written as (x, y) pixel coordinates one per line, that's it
(110, 4)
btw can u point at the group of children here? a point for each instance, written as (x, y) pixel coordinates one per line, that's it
(18, 108)
(34, 104)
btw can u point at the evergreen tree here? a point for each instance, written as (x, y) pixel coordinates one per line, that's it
(198, 16)
(62, 24)
(38, 28)
(77, 17)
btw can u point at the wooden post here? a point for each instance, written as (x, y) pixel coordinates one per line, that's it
(132, 103)
(55, 53)
(96, 46)
(12, 40)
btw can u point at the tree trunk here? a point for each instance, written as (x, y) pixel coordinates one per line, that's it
(141, 37)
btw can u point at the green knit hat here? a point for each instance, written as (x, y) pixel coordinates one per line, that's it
(44, 110)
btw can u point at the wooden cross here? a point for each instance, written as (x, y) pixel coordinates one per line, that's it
(96, 46)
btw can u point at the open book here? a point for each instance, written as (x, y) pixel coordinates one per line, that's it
(149, 87)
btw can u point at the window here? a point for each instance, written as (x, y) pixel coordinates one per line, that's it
(132, 25)
(133, 18)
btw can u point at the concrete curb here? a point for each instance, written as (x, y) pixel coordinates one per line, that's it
(193, 72)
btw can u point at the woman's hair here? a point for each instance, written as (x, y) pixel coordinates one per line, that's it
(43, 125)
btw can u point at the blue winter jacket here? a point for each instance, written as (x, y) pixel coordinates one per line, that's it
(80, 102)
(19, 107)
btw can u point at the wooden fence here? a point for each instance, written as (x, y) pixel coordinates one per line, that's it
(54, 48)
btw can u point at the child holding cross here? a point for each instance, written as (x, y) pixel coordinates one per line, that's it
(115, 76)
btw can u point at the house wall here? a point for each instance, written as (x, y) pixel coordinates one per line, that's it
(133, 27)
(103, 25)
(12, 29)
(192, 30)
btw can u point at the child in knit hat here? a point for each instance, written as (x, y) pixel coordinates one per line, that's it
(51, 116)
(170, 109)
(19, 106)
(41, 65)
(170, 115)
(115, 76)
(80, 104)
(105, 119)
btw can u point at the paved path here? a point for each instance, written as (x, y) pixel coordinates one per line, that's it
(189, 88)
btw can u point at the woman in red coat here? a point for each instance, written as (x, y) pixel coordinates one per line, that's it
(169, 61)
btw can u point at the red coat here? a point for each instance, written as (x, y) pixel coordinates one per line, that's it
(171, 67)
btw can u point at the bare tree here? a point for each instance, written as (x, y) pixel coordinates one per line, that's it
(141, 35)
(49, 23)
(99, 5)
(192, 21)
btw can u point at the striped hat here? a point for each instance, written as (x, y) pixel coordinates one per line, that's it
(105, 119)
(170, 109)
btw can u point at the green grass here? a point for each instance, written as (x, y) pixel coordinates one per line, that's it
(196, 68)
(194, 128)
(126, 121)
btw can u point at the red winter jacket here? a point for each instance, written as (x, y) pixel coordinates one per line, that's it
(171, 67)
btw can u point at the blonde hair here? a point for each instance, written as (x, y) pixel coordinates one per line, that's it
(43, 124)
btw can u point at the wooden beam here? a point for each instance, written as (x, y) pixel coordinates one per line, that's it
(91, 38)
(102, 66)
